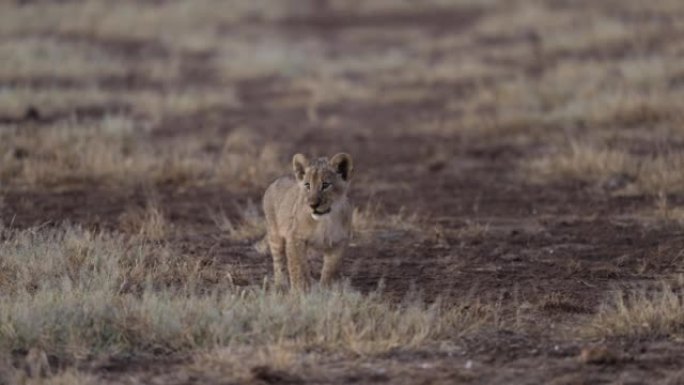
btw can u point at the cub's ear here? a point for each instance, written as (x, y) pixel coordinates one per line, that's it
(299, 165)
(342, 163)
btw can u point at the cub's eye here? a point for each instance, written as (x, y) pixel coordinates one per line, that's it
(308, 186)
(325, 186)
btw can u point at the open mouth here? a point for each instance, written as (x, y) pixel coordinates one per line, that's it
(316, 212)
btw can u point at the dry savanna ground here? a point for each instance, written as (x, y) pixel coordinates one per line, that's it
(519, 190)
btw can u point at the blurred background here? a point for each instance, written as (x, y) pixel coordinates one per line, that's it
(467, 112)
(190, 92)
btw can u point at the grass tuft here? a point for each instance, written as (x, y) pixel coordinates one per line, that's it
(249, 226)
(583, 162)
(114, 150)
(371, 220)
(641, 314)
(75, 294)
(150, 223)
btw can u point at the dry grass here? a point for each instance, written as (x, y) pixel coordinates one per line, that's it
(598, 75)
(623, 93)
(668, 213)
(15, 101)
(154, 106)
(35, 57)
(74, 294)
(223, 363)
(69, 151)
(180, 25)
(66, 377)
(246, 159)
(588, 68)
(249, 226)
(473, 230)
(632, 174)
(584, 162)
(114, 151)
(640, 314)
(662, 174)
(35, 369)
(371, 221)
(43, 259)
(149, 223)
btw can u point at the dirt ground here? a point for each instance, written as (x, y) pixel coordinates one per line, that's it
(548, 253)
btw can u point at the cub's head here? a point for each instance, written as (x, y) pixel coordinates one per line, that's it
(323, 181)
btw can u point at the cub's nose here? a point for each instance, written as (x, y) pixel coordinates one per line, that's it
(314, 203)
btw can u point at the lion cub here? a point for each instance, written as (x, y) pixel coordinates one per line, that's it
(310, 212)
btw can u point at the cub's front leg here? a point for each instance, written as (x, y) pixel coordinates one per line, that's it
(332, 259)
(298, 264)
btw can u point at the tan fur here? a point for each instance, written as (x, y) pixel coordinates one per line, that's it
(305, 215)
